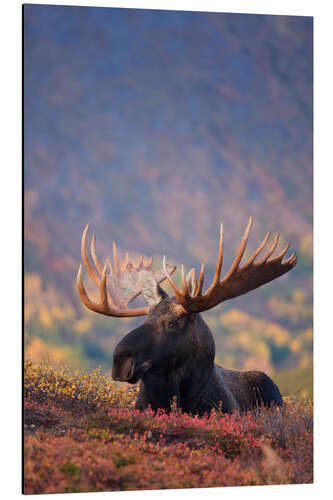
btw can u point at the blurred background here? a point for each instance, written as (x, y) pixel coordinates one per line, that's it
(154, 126)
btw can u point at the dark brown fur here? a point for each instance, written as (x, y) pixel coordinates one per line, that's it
(173, 354)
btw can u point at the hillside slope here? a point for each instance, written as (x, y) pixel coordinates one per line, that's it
(82, 434)
(154, 126)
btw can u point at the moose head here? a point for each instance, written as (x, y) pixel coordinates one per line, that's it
(173, 351)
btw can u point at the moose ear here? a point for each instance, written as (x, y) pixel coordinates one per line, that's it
(151, 291)
(191, 282)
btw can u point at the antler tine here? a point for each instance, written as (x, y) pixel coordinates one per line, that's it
(292, 261)
(270, 251)
(184, 284)
(140, 262)
(293, 255)
(109, 266)
(93, 253)
(201, 281)
(100, 308)
(258, 250)
(85, 257)
(241, 250)
(126, 261)
(115, 257)
(281, 255)
(194, 279)
(219, 261)
(82, 291)
(150, 263)
(174, 286)
(102, 288)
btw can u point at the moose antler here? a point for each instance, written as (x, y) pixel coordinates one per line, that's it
(238, 280)
(122, 285)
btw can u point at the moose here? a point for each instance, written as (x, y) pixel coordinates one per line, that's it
(173, 351)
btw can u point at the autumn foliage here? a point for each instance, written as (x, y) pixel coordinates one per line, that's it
(83, 434)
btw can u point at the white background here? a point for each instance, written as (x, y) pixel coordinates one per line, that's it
(11, 246)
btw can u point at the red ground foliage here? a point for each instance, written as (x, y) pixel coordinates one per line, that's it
(109, 448)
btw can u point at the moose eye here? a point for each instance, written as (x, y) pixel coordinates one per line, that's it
(172, 325)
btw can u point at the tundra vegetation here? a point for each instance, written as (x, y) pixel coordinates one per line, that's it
(83, 434)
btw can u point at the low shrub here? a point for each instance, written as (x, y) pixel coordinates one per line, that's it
(83, 434)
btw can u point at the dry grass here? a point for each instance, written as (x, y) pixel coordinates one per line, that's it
(82, 434)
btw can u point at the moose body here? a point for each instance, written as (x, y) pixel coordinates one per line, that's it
(173, 351)
(173, 355)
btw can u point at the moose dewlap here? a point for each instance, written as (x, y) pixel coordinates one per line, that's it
(173, 351)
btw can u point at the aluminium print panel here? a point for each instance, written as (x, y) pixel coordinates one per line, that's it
(167, 249)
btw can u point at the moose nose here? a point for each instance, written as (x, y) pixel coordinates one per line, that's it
(123, 368)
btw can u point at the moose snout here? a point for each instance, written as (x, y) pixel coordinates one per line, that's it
(123, 368)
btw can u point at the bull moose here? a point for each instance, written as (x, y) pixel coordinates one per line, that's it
(173, 351)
